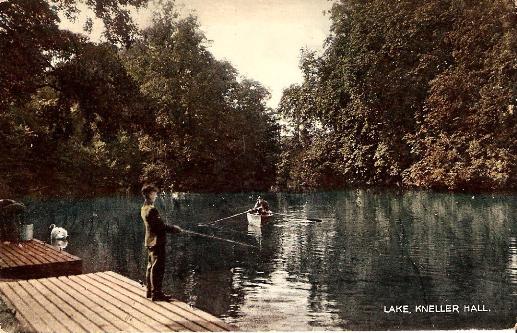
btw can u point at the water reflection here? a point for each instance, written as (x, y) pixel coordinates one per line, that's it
(512, 262)
(59, 243)
(370, 249)
(255, 231)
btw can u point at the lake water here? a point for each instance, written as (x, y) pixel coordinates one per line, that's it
(371, 250)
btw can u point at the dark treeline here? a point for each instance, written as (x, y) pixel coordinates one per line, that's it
(407, 93)
(82, 117)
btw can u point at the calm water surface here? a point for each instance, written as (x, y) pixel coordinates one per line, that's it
(370, 251)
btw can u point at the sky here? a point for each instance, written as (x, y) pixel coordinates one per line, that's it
(261, 38)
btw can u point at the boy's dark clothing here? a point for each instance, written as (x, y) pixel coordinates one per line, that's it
(155, 239)
(155, 269)
(155, 229)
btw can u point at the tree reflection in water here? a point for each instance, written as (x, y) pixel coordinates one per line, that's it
(371, 249)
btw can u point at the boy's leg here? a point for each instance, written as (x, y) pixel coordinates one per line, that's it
(157, 269)
(148, 282)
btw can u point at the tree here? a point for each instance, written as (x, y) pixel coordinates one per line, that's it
(398, 77)
(57, 91)
(467, 136)
(212, 132)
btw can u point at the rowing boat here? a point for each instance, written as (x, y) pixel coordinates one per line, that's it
(258, 219)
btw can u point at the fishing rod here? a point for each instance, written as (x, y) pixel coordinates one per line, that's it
(193, 233)
(308, 219)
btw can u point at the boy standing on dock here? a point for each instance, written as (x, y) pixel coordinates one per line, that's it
(155, 240)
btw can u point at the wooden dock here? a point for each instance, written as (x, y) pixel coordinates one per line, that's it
(99, 302)
(35, 259)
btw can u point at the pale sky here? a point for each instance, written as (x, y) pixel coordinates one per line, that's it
(261, 38)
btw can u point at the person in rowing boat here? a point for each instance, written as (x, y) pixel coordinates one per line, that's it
(10, 214)
(155, 240)
(261, 206)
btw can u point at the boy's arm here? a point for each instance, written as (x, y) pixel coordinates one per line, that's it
(157, 224)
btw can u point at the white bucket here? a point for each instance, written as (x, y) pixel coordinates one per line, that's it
(27, 232)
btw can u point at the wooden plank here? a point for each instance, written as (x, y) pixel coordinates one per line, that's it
(47, 252)
(180, 304)
(6, 258)
(99, 302)
(35, 261)
(53, 296)
(34, 256)
(87, 299)
(125, 306)
(171, 320)
(200, 314)
(115, 309)
(36, 309)
(23, 310)
(68, 266)
(62, 317)
(3, 263)
(201, 323)
(180, 323)
(116, 316)
(72, 299)
(19, 252)
(44, 257)
(55, 250)
(9, 253)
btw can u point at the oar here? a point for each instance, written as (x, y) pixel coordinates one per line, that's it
(308, 219)
(189, 232)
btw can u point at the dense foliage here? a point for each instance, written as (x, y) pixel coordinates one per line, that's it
(406, 93)
(410, 92)
(80, 117)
